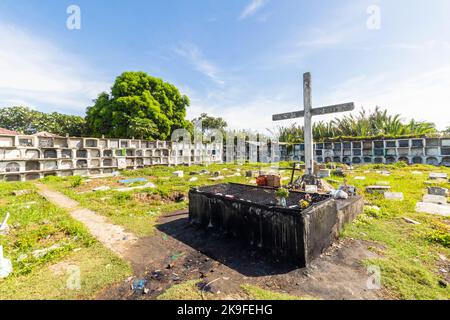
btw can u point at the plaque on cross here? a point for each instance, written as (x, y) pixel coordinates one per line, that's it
(308, 112)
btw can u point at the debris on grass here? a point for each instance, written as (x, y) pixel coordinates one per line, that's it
(411, 221)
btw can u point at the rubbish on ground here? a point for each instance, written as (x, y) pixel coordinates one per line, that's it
(339, 194)
(411, 220)
(102, 188)
(126, 181)
(138, 285)
(4, 228)
(42, 252)
(5, 265)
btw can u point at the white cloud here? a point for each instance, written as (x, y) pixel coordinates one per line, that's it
(252, 8)
(36, 72)
(194, 55)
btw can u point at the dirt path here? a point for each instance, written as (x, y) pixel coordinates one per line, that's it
(110, 235)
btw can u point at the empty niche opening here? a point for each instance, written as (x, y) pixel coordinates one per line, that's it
(446, 161)
(356, 160)
(107, 163)
(32, 176)
(66, 173)
(328, 159)
(130, 152)
(45, 142)
(148, 153)
(12, 177)
(26, 142)
(50, 154)
(94, 171)
(66, 153)
(390, 160)
(12, 167)
(404, 159)
(417, 160)
(82, 164)
(32, 154)
(91, 143)
(50, 174)
(82, 153)
(367, 159)
(66, 164)
(346, 160)
(378, 160)
(107, 153)
(139, 153)
(319, 159)
(432, 161)
(32, 166)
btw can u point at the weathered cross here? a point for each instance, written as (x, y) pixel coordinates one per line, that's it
(308, 113)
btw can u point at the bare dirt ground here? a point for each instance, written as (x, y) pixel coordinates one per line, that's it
(179, 252)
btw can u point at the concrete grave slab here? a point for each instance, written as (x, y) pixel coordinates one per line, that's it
(438, 191)
(394, 195)
(377, 189)
(430, 198)
(438, 175)
(433, 208)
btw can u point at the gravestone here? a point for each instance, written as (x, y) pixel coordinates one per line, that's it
(438, 175)
(393, 195)
(433, 208)
(438, 191)
(377, 189)
(429, 198)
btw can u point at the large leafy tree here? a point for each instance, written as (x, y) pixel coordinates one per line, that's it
(28, 121)
(209, 122)
(139, 105)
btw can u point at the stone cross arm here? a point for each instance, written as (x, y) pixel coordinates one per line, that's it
(315, 112)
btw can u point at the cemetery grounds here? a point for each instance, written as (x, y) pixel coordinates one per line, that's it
(50, 249)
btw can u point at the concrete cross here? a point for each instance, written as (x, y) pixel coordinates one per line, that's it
(308, 113)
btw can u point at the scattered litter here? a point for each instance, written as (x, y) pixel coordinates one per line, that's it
(176, 255)
(22, 192)
(443, 270)
(178, 174)
(429, 198)
(138, 285)
(393, 195)
(442, 257)
(5, 265)
(433, 208)
(4, 228)
(102, 188)
(411, 220)
(126, 181)
(42, 252)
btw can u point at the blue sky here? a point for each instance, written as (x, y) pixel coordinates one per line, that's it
(239, 59)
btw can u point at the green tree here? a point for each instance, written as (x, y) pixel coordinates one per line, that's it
(139, 105)
(28, 121)
(209, 122)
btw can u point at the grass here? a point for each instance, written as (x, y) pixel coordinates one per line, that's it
(188, 290)
(409, 261)
(35, 224)
(257, 293)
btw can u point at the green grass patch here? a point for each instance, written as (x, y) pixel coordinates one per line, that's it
(257, 293)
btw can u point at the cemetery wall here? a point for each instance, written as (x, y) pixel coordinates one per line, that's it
(433, 151)
(30, 157)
